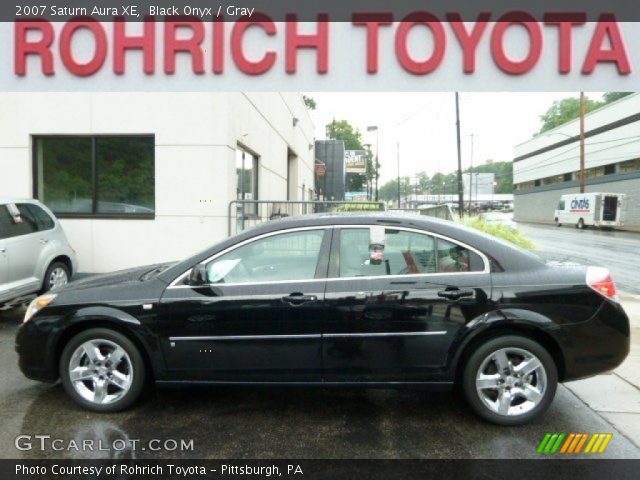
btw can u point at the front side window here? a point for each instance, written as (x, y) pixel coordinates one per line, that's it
(87, 176)
(284, 257)
(405, 253)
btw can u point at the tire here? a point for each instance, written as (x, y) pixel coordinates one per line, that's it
(580, 225)
(558, 224)
(57, 276)
(122, 383)
(519, 410)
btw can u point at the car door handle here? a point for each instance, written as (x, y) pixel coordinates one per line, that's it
(455, 294)
(298, 298)
(3, 249)
(44, 240)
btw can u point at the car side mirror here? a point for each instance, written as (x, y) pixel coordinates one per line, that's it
(198, 275)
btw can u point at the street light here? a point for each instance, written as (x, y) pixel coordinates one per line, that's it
(376, 166)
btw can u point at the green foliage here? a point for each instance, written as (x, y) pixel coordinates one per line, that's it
(500, 231)
(503, 172)
(613, 96)
(447, 184)
(343, 130)
(309, 102)
(567, 109)
(357, 207)
(389, 191)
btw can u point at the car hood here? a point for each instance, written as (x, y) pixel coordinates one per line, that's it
(131, 275)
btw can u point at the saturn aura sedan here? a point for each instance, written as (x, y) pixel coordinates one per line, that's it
(335, 300)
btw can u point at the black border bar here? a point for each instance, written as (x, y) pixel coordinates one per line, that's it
(308, 10)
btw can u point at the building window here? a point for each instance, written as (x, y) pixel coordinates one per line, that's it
(630, 166)
(568, 177)
(594, 172)
(247, 178)
(101, 176)
(610, 169)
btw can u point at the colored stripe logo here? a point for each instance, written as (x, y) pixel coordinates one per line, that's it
(574, 443)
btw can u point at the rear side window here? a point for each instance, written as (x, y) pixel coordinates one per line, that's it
(43, 219)
(15, 226)
(405, 253)
(455, 258)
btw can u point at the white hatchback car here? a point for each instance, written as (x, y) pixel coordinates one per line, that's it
(35, 255)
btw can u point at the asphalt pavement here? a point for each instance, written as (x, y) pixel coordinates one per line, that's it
(619, 251)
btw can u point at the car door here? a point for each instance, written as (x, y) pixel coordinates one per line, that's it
(393, 315)
(258, 316)
(22, 249)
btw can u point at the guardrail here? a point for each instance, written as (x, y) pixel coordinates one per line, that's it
(243, 214)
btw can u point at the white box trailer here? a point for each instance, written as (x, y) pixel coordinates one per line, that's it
(591, 209)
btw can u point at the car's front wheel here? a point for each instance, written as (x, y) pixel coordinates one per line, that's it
(510, 380)
(102, 370)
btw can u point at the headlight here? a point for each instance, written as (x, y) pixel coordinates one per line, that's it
(37, 305)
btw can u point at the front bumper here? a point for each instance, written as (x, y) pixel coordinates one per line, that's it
(33, 359)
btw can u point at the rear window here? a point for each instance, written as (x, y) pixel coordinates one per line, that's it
(41, 218)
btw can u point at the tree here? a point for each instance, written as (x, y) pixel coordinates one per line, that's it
(565, 110)
(389, 191)
(342, 130)
(503, 172)
(613, 96)
(309, 102)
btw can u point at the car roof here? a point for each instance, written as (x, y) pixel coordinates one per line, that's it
(508, 256)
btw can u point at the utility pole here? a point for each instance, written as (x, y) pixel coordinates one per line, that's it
(398, 155)
(581, 173)
(460, 187)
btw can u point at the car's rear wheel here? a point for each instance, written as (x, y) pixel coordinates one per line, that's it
(510, 380)
(102, 370)
(558, 224)
(57, 276)
(580, 224)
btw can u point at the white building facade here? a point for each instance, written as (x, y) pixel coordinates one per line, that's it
(547, 166)
(138, 178)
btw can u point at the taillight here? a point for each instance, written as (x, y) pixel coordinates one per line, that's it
(600, 280)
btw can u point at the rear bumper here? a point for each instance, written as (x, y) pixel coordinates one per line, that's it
(598, 345)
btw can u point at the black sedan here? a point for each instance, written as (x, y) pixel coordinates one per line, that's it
(335, 300)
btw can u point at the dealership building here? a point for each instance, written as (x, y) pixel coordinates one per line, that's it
(138, 178)
(548, 165)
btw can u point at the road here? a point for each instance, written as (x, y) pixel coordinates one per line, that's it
(616, 250)
(280, 423)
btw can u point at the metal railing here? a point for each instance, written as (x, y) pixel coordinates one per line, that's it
(243, 214)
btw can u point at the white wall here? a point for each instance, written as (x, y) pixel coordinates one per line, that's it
(612, 146)
(196, 135)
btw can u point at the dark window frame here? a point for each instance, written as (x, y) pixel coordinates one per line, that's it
(94, 174)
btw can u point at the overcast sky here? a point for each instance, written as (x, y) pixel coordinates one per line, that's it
(423, 124)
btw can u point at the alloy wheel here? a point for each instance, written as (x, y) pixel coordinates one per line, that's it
(511, 381)
(101, 371)
(58, 278)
